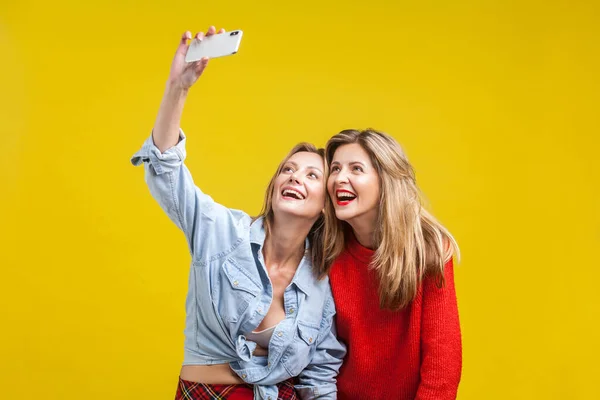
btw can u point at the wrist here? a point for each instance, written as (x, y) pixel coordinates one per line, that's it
(176, 89)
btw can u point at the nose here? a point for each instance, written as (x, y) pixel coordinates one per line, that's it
(294, 179)
(341, 177)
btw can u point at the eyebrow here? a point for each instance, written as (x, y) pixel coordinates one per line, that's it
(351, 162)
(309, 167)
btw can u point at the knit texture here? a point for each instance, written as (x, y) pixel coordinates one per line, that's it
(414, 353)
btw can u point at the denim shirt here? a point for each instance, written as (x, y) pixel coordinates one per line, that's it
(230, 292)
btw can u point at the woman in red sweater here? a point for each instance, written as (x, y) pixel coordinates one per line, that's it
(391, 272)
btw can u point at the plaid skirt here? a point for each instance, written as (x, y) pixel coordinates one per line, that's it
(187, 390)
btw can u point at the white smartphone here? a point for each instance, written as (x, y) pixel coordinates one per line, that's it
(217, 45)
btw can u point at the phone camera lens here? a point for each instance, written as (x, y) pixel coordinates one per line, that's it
(233, 33)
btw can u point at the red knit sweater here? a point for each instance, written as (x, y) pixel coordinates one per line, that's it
(414, 353)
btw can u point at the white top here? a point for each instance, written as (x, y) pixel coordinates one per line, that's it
(261, 338)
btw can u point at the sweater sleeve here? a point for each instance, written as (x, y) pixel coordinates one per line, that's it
(441, 347)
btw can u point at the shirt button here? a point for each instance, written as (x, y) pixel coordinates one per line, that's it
(309, 340)
(235, 283)
(269, 364)
(243, 376)
(291, 310)
(279, 334)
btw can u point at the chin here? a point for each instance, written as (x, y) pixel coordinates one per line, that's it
(343, 215)
(289, 211)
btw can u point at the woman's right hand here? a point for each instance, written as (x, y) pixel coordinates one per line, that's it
(181, 78)
(183, 74)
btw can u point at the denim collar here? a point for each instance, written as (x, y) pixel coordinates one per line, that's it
(304, 277)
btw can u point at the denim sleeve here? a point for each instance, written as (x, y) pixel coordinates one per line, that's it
(207, 225)
(318, 379)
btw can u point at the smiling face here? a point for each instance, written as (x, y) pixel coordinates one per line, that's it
(353, 185)
(299, 189)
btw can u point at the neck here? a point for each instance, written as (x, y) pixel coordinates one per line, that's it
(284, 246)
(364, 231)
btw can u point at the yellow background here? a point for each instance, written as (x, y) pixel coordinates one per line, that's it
(495, 102)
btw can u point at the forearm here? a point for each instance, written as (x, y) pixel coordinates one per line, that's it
(166, 128)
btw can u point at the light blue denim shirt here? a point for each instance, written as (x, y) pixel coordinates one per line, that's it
(230, 292)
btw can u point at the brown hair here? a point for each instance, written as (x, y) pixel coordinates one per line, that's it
(410, 242)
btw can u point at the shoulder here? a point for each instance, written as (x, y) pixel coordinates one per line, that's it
(223, 234)
(440, 281)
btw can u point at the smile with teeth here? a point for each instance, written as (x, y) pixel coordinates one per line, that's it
(291, 193)
(344, 197)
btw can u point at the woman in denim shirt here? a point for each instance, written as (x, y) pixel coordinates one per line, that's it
(257, 316)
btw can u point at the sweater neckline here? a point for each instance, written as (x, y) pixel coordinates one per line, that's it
(357, 250)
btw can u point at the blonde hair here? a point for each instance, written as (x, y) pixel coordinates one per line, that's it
(316, 233)
(410, 242)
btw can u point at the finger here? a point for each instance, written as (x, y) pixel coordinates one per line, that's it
(183, 42)
(211, 31)
(222, 30)
(187, 35)
(199, 35)
(200, 65)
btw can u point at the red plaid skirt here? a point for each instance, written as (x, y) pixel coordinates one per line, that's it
(187, 390)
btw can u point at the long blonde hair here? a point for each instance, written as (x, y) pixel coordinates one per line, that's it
(410, 242)
(316, 233)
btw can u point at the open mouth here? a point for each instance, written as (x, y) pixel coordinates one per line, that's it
(344, 197)
(292, 194)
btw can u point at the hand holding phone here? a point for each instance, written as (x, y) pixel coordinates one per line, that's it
(213, 46)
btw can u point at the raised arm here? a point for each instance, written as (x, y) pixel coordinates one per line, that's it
(181, 78)
(169, 180)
